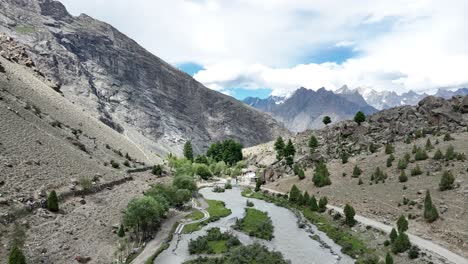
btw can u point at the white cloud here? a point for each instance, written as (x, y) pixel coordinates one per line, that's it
(418, 44)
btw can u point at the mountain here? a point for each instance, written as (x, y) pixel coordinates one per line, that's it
(114, 79)
(447, 94)
(305, 108)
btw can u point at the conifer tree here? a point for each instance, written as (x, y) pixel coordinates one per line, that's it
(390, 160)
(294, 194)
(349, 215)
(326, 120)
(430, 212)
(301, 174)
(438, 155)
(388, 259)
(401, 244)
(289, 152)
(359, 117)
(428, 145)
(121, 231)
(393, 235)
(447, 180)
(403, 177)
(306, 198)
(402, 224)
(321, 175)
(279, 147)
(356, 171)
(52, 202)
(322, 206)
(313, 143)
(16, 256)
(389, 149)
(313, 206)
(188, 150)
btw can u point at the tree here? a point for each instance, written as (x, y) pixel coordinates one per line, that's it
(279, 147)
(201, 159)
(16, 256)
(420, 154)
(450, 153)
(402, 224)
(313, 204)
(402, 164)
(322, 206)
(390, 160)
(359, 117)
(183, 182)
(428, 145)
(321, 176)
(52, 202)
(294, 195)
(403, 177)
(326, 120)
(143, 215)
(389, 149)
(121, 231)
(447, 180)
(372, 148)
(157, 170)
(356, 171)
(430, 212)
(438, 155)
(301, 174)
(349, 215)
(228, 151)
(393, 235)
(203, 171)
(344, 157)
(258, 185)
(401, 244)
(313, 143)
(388, 259)
(306, 198)
(188, 150)
(289, 152)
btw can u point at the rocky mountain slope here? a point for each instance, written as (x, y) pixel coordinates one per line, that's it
(405, 127)
(306, 108)
(95, 66)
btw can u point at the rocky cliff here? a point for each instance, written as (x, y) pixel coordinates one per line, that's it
(134, 92)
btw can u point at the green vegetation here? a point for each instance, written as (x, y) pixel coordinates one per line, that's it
(279, 147)
(289, 152)
(114, 164)
(228, 151)
(202, 170)
(326, 120)
(403, 177)
(416, 171)
(321, 176)
(349, 215)
(249, 203)
(372, 148)
(356, 171)
(393, 235)
(255, 223)
(400, 241)
(216, 209)
(438, 155)
(322, 205)
(121, 231)
(429, 145)
(378, 175)
(228, 185)
(86, 183)
(295, 195)
(157, 170)
(402, 224)
(344, 157)
(430, 212)
(214, 242)
(388, 259)
(52, 202)
(420, 154)
(16, 256)
(447, 181)
(448, 137)
(218, 189)
(402, 164)
(24, 29)
(359, 117)
(390, 160)
(313, 144)
(301, 174)
(250, 254)
(389, 148)
(188, 150)
(450, 153)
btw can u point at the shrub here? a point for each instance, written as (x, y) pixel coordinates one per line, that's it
(372, 148)
(349, 214)
(344, 157)
(407, 157)
(201, 159)
(313, 206)
(413, 252)
(403, 177)
(321, 176)
(313, 143)
(203, 171)
(438, 155)
(359, 117)
(447, 137)
(250, 203)
(126, 163)
(322, 206)
(388, 259)
(181, 182)
(86, 183)
(326, 120)
(402, 224)
(218, 189)
(114, 164)
(447, 180)
(16, 256)
(157, 170)
(420, 154)
(296, 169)
(390, 160)
(416, 171)
(52, 202)
(461, 157)
(402, 164)
(393, 235)
(121, 231)
(188, 150)
(401, 244)
(450, 153)
(356, 171)
(378, 175)
(430, 212)
(428, 145)
(415, 149)
(228, 185)
(301, 174)
(389, 149)
(295, 195)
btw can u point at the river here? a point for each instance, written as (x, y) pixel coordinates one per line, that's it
(294, 243)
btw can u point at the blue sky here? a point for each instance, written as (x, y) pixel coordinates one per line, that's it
(250, 48)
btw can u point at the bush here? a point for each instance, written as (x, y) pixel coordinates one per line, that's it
(372, 148)
(450, 153)
(250, 203)
(181, 182)
(389, 149)
(448, 137)
(349, 214)
(157, 170)
(121, 231)
(301, 174)
(447, 180)
(228, 185)
(203, 171)
(428, 145)
(430, 212)
(438, 155)
(390, 160)
(402, 164)
(321, 176)
(413, 252)
(312, 204)
(295, 195)
(86, 183)
(52, 202)
(114, 164)
(378, 175)
(402, 224)
(322, 206)
(388, 259)
(359, 117)
(403, 177)
(16, 256)
(356, 171)
(401, 244)
(344, 157)
(218, 189)
(393, 235)
(420, 154)
(313, 143)
(201, 159)
(416, 171)
(126, 163)
(461, 157)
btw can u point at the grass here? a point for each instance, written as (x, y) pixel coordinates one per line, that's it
(24, 29)
(350, 243)
(196, 215)
(218, 247)
(216, 209)
(256, 223)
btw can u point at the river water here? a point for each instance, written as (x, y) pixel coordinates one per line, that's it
(293, 242)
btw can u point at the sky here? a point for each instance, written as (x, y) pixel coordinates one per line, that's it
(272, 47)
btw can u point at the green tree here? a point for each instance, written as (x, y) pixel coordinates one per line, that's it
(16, 256)
(313, 143)
(295, 195)
(188, 150)
(258, 185)
(402, 164)
(326, 120)
(390, 160)
(372, 148)
(184, 182)
(349, 215)
(359, 117)
(430, 212)
(420, 154)
(402, 224)
(438, 155)
(289, 152)
(389, 149)
(447, 180)
(279, 147)
(393, 235)
(143, 215)
(401, 244)
(121, 231)
(306, 198)
(356, 171)
(428, 145)
(344, 157)
(201, 159)
(52, 202)
(157, 170)
(450, 153)
(203, 171)
(313, 204)
(388, 259)
(403, 177)
(322, 205)
(416, 170)
(301, 174)
(228, 151)
(321, 175)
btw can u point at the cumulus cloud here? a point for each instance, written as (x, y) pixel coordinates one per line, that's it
(401, 45)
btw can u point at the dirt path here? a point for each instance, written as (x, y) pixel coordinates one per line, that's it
(157, 242)
(420, 242)
(206, 215)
